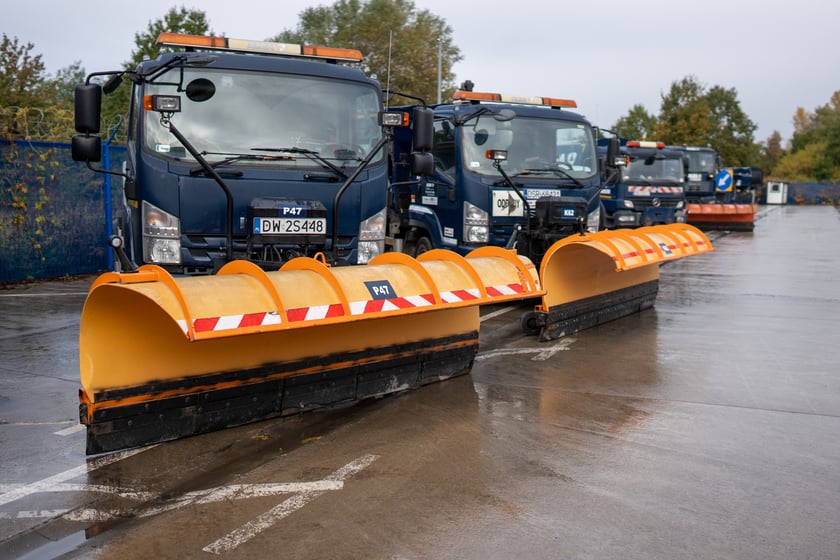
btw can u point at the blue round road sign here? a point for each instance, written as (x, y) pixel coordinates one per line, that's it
(723, 181)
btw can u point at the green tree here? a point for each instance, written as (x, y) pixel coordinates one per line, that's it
(772, 153)
(802, 165)
(65, 82)
(399, 42)
(176, 20)
(23, 81)
(691, 114)
(815, 146)
(637, 124)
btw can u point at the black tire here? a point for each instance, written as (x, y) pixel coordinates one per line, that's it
(422, 245)
(530, 323)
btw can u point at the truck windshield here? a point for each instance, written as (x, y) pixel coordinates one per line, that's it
(227, 113)
(655, 169)
(556, 148)
(701, 162)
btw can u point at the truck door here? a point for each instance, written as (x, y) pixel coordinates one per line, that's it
(438, 193)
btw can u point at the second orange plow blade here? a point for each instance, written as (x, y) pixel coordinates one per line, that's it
(597, 277)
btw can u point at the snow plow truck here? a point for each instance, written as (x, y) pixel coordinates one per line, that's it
(254, 279)
(719, 198)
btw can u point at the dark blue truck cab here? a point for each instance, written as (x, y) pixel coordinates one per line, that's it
(647, 187)
(247, 149)
(509, 171)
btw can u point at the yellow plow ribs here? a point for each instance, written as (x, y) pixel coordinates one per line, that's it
(594, 278)
(163, 358)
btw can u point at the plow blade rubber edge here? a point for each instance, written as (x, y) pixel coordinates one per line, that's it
(597, 277)
(163, 358)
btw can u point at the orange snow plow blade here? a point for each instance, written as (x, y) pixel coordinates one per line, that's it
(597, 277)
(723, 216)
(163, 358)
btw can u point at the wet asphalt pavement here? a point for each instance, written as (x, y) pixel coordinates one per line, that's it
(706, 427)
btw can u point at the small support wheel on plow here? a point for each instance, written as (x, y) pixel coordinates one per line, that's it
(530, 323)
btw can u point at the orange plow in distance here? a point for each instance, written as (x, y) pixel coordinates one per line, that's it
(597, 277)
(723, 216)
(734, 207)
(207, 353)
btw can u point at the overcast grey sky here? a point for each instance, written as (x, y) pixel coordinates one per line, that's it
(607, 55)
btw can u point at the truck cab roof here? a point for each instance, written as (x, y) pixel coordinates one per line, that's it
(255, 62)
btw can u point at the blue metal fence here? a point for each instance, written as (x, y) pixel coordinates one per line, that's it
(52, 212)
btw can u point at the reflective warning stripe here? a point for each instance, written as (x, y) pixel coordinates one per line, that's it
(652, 190)
(390, 304)
(205, 324)
(460, 295)
(315, 312)
(228, 322)
(508, 290)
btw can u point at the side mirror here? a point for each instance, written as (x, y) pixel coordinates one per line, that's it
(88, 102)
(422, 163)
(612, 151)
(423, 129)
(86, 148)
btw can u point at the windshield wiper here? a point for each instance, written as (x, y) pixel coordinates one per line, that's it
(233, 158)
(556, 170)
(311, 154)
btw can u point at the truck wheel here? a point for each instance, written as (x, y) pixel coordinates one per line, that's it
(530, 323)
(422, 245)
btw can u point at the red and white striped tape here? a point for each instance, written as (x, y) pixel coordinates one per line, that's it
(316, 312)
(654, 190)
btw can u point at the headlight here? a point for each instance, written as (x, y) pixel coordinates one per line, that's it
(628, 204)
(680, 204)
(593, 220)
(476, 222)
(371, 237)
(161, 236)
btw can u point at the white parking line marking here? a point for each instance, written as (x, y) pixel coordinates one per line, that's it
(80, 487)
(303, 493)
(199, 497)
(542, 352)
(498, 312)
(239, 492)
(46, 484)
(284, 509)
(70, 431)
(39, 514)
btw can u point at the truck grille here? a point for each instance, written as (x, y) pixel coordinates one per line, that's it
(655, 202)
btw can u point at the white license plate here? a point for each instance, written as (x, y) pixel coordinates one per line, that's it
(290, 226)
